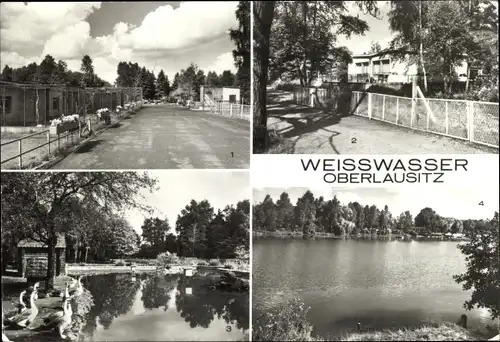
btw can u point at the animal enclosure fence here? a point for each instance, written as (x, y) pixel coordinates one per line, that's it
(473, 121)
(28, 105)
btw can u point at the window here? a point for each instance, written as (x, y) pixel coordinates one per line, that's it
(55, 103)
(8, 104)
(232, 98)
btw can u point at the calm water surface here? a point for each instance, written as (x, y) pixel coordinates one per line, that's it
(381, 284)
(162, 308)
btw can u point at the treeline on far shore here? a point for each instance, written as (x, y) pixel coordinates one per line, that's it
(317, 216)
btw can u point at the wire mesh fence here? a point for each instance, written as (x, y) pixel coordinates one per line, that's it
(467, 120)
(29, 105)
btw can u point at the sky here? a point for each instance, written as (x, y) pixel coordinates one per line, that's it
(178, 187)
(378, 29)
(457, 202)
(157, 35)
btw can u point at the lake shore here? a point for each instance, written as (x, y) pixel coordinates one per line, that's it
(299, 235)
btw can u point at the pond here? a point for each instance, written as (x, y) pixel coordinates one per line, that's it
(163, 308)
(381, 284)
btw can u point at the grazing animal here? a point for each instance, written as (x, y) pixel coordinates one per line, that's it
(26, 317)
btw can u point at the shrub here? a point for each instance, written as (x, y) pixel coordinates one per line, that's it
(213, 263)
(228, 266)
(120, 263)
(164, 259)
(202, 263)
(288, 323)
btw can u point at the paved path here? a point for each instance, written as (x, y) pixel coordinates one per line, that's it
(309, 131)
(165, 137)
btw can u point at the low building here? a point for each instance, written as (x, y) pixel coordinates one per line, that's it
(220, 94)
(33, 258)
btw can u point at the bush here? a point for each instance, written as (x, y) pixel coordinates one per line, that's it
(120, 263)
(213, 263)
(202, 263)
(228, 266)
(288, 323)
(165, 259)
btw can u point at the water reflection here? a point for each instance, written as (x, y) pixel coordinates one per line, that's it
(169, 307)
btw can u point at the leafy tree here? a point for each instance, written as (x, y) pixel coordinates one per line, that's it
(375, 47)
(405, 222)
(155, 232)
(227, 78)
(427, 218)
(7, 73)
(284, 212)
(483, 268)
(191, 227)
(241, 55)
(88, 72)
(270, 216)
(212, 79)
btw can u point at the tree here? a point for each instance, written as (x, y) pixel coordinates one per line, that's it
(50, 195)
(227, 78)
(212, 79)
(7, 73)
(155, 232)
(163, 83)
(405, 222)
(263, 12)
(124, 238)
(375, 47)
(46, 70)
(483, 268)
(88, 72)
(427, 218)
(191, 228)
(241, 55)
(175, 83)
(284, 212)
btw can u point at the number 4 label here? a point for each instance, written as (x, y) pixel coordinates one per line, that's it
(481, 203)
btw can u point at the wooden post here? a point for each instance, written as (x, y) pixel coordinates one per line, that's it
(48, 139)
(446, 116)
(470, 121)
(20, 154)
(58, 140)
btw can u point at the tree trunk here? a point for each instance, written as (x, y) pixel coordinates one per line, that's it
(263, 17)
(86, 254)
(51, 254)
(468, 75)
(37, 113)
(422, 46)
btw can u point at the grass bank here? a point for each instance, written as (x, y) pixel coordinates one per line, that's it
(289, 323)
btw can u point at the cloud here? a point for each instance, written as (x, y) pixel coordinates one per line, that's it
(223, 62)
(167, 38)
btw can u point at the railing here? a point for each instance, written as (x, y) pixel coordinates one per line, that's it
(232, 110)
(92, 123)
(472, 121)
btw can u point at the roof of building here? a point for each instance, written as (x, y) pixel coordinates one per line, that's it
(30, 243)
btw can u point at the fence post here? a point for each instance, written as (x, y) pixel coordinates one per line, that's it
(241, 111)
(470, 119)
(20, 154)
(24, 106)
(58, 140)
(383, 107)
(230, 110)
(397, 110)
(48, 138)
(358, 95)
(370, 105)
(427, 118)
(413, 95)
(446, 116)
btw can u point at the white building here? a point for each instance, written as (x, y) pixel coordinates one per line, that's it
(383, 68)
